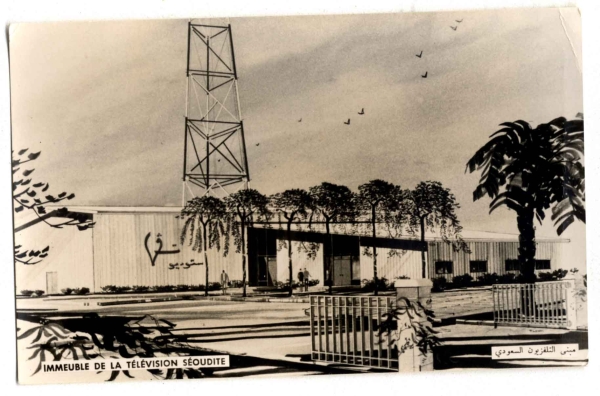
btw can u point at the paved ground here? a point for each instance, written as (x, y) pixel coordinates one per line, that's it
(278, 333)
(459, 303)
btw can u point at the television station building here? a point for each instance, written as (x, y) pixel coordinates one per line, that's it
(130, 246)
(140, 246)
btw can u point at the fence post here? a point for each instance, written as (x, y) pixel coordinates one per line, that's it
(571, 301)
(410, 357)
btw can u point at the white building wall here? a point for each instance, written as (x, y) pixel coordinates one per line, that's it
(404, 263)
(494, 252)
(120, 256)
(70, 256)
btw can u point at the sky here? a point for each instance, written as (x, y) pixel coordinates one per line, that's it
(105, 101)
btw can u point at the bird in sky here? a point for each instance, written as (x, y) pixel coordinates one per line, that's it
(424, 75)
(300, 120)
(362, 112)
(420, 55)
(459, 21)
(257, 144)
(347, 122)
(454, 27)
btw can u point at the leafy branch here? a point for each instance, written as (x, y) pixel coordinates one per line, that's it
(32, 196)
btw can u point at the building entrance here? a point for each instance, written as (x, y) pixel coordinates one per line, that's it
(267, 270)
(346, 271)
(51, 283)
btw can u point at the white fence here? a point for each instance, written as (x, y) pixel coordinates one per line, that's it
(345, 330)
(544, 304)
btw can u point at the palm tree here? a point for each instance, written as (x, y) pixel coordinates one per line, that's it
(530, 170)
(333, 202)
(244, 207)
(207, 217)
(293, 204)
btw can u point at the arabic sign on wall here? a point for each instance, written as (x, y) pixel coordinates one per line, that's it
(121, 257)
(158, 251)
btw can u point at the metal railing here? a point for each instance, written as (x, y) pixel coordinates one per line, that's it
(345, 330)
(541, 304)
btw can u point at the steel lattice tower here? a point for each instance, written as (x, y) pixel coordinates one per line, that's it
(215, 149)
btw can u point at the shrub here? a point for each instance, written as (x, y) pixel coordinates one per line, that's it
(545, 276)
(369, 284)
(403, 277)
(214, 286)
(181, 288)
(140, 289)
(27, 292)
(285, 286)
(236, 283)
(66, 291)
(488, 279)
(552, 276)
(560, 273)
(462, 280)
(115, 289)
(83, 290)
(507, 278)
(439, 284)
(39, 293)
(521, 279)
(313, 282)
(162, 288)
(108, 289)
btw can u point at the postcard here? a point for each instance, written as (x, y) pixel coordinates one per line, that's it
(301, 195)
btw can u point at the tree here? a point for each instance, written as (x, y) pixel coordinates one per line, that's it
(529, 170)
(244, 207)
(430, 206)
(206, 222)
(294, 204)
(333, 203)
(375, 197)
(31, 196)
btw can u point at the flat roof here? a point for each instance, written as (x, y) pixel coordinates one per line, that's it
(467, 235)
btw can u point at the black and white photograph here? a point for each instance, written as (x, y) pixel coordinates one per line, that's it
(279, 196)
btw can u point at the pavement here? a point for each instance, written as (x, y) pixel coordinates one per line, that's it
(276, 333)
(462, 302)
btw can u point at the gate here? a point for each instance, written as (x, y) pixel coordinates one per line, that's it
(345, 330)
(536, 305)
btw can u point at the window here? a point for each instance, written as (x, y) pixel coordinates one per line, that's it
(542, 264)
(443, 267)
(512, 265)
(478, 266)
(356, 279)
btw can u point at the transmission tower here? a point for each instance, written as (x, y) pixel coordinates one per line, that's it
(215, 160)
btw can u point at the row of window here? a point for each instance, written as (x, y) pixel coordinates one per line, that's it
(481, 266)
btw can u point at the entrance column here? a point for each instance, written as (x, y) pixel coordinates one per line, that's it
(413, 295)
